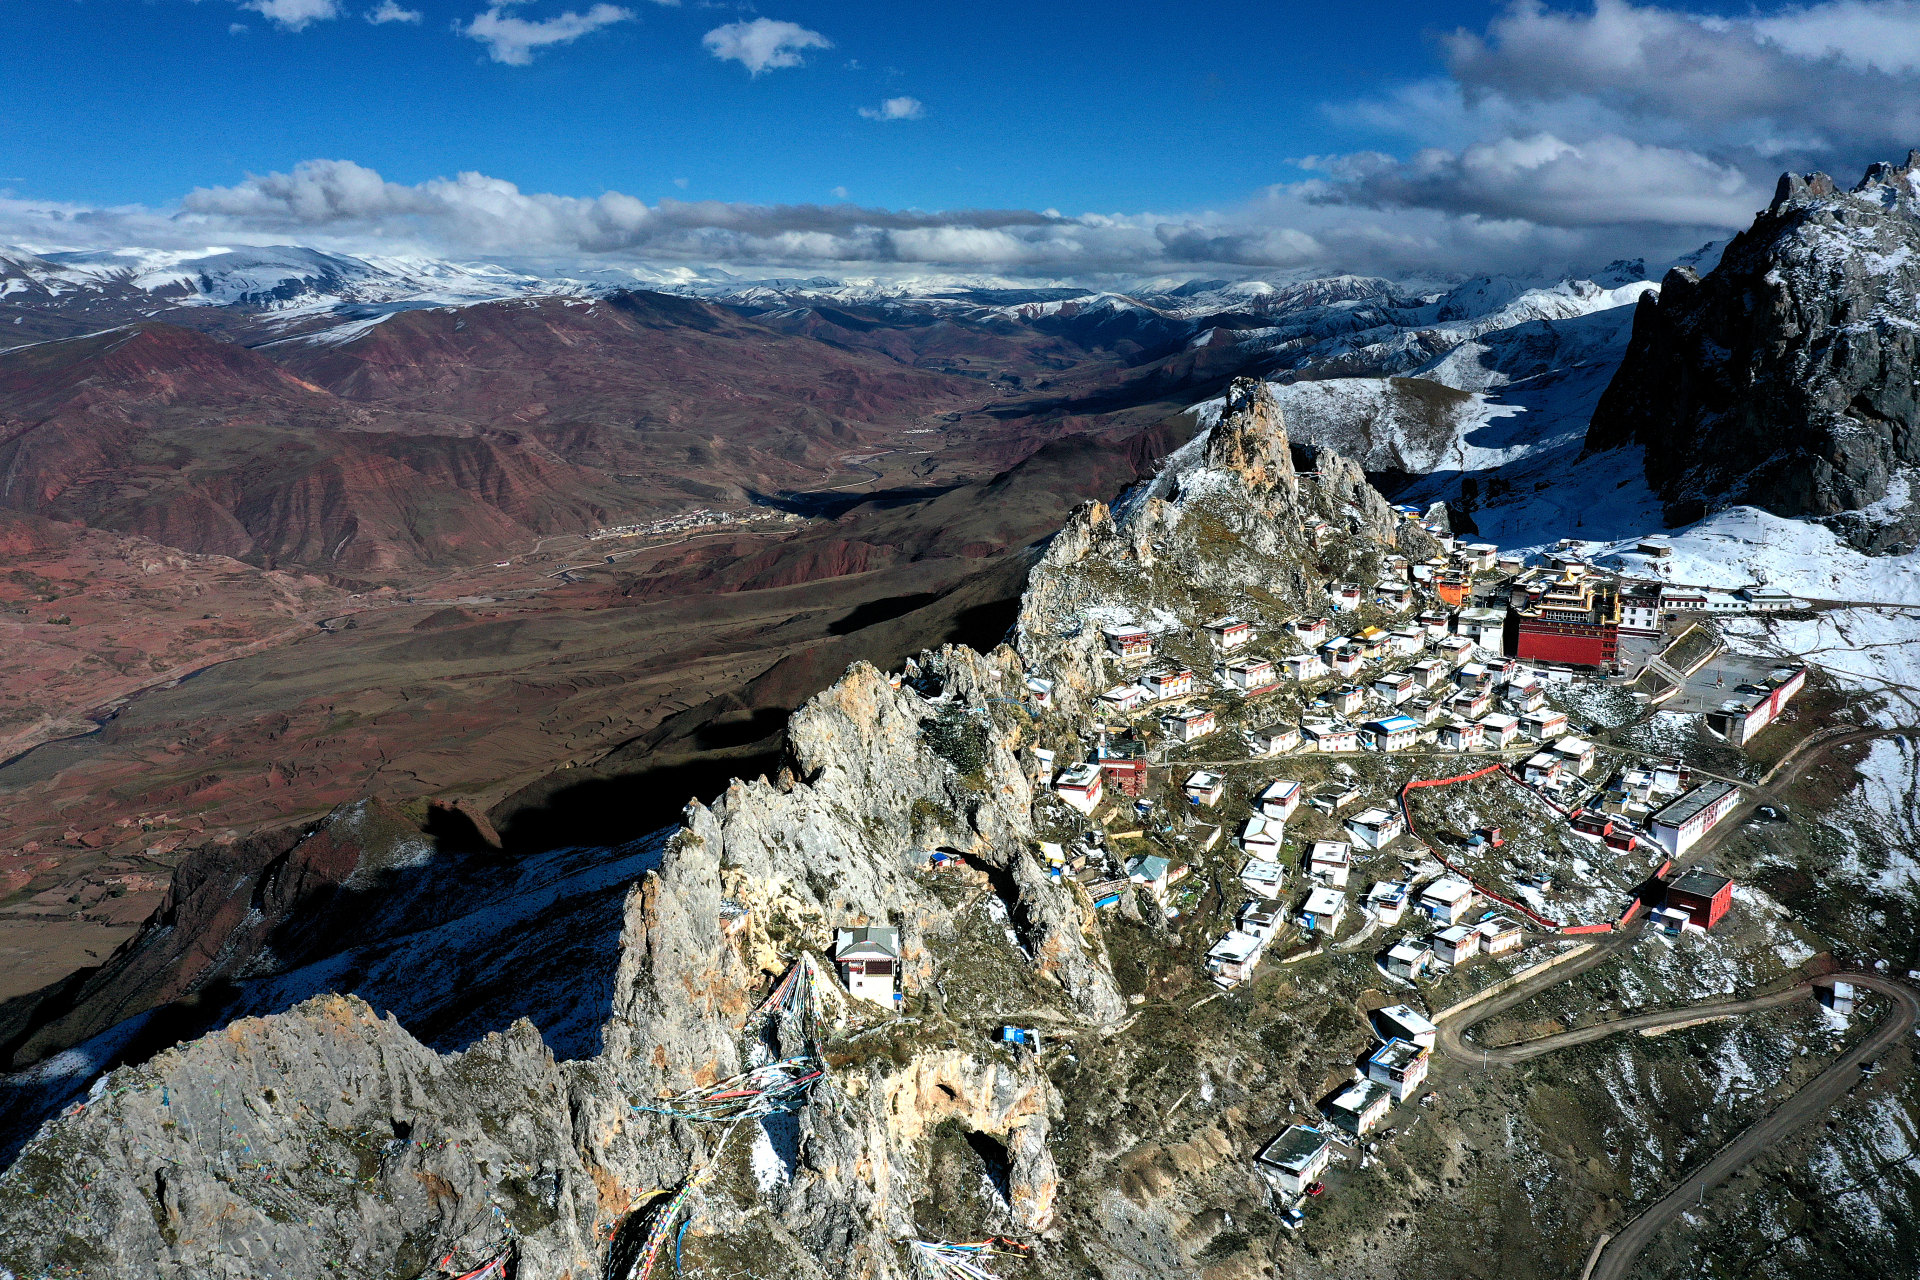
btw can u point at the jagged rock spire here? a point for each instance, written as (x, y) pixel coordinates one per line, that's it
(1251, 439)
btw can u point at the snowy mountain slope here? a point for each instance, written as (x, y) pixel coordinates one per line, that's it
(1358, 320)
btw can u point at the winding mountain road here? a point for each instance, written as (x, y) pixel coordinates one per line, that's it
(1617, 1253)
(1454, 1044)
(1812, 1101)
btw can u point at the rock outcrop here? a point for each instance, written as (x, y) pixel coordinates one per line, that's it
(328, 1139)
(1241, 529)
(1785, 377)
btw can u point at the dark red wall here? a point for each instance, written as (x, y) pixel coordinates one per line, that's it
(1550, 646)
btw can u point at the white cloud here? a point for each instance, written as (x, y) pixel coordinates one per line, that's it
(345, 207)
(391, 12)
(896, 109)
(1544, 180)
(763, 44)
(512, 40)
(1883, 35)
(236, 28)
(294, 15)
(1735, 84)
(1559, 139)
(680, 183)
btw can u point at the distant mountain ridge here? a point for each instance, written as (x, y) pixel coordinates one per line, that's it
(288, 289)
(579, 400)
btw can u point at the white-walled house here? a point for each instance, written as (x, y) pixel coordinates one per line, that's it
(1330, 861)
(1252, 675)
(1188, 724)
(1304, 666)
(1295, 1160)
(1280, 799)
(1324, 910)
(1273, 740)
(1229, 633)
(1577, 752)
(1387, 901)
(1232, 960)
(1500, 935)
(1260, 838)
(1205, 788)
(1409, 958)
(1545, 725)
(1360, 1107)
(1263, 877)
(1447, 899)
(1129, 643)
(1169, 682)
(1499, 731)
(868, 960)
(1455, 944)
(1402, 1022)
(1079, 785)
(1401, 1065)
(1376, 828)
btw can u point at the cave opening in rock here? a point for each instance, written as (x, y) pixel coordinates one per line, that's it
(995, 1161)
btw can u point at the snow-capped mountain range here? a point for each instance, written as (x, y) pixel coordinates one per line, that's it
(292, 288)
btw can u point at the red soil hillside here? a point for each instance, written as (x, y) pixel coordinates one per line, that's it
(212, 448)
(693, 397)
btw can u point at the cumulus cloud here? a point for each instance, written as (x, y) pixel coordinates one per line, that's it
(763, 44)
(1558, 139)
(343, 206)
(1881, 35)
(512, 40)
(1636, 115)
(896, 109)
(391, 12)
(1543, 179)
(294, 15)
(1806, 75)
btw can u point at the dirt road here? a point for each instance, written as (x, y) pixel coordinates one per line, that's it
(1810, 1103)
(1454, 1043)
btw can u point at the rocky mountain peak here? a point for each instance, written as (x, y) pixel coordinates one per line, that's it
(1885, 183)
(1784, 378)
(1251, 439)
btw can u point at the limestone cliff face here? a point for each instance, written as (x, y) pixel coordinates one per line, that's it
(329, 1140)
(1785, 376)
(1242, 531)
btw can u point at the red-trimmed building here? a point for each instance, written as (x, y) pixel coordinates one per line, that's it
(1703, 895)
(1574, 621)
(1755, 706)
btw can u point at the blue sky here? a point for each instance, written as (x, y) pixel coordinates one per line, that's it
(1079, 106)
(1434, 136)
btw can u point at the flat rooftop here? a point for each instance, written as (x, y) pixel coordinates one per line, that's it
(1397, 1055)
(1703, 884)
(1678, 812)
(1407, 1018)
(1295, 1148)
